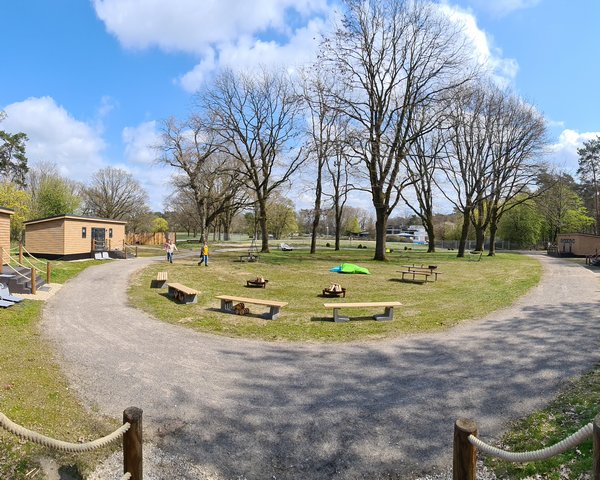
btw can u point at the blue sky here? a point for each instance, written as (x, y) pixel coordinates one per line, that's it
(90, 81)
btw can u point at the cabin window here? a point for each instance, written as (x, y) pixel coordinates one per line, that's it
(83, 232)
(110, 233)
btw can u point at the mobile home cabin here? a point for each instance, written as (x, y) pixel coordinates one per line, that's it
(70, 237)
(5, 214)
(578, 244)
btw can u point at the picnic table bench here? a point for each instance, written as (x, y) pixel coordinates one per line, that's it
(414, 275)
(181, 293)
(274, 305)
(388, 313)
(160, 281)
(430, 269)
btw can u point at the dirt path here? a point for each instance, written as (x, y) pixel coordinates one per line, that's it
(256, 410)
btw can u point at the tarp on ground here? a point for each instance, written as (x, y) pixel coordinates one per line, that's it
(350, 268)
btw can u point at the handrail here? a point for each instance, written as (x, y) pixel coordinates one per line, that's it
(21, 265)
(29, 255)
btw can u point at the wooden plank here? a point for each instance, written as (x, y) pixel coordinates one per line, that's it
(255, 301)
(162, 275)
(182, 288)
(362, 304)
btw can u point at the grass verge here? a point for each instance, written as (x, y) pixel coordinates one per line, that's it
(573, 408)
(34, 393)
(465, 290)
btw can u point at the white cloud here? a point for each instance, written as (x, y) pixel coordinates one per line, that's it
(563, 152)
(140, 161)
(56, 137)
(191, 25)
(504, 7)
(503, 70)
(219, 32)
(248, 52)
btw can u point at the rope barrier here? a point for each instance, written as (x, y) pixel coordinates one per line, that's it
(16, 271)
(40, 439)
(571, 441)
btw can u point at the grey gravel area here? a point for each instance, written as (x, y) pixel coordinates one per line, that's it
(222, 408)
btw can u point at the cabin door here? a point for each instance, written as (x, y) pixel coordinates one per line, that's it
(99, 239)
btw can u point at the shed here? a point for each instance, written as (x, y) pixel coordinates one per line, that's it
(578, 244)
(5, 214)
(71, 237)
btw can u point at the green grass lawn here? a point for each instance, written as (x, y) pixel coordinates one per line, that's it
(34, 393)
(575, 407)
(465, 290)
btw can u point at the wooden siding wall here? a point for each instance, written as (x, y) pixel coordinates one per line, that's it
(75, 244)
(47, 237)
(578, 244)
(5, 236)
(63, 236)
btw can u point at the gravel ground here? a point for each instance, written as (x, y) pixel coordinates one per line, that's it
(223, 408)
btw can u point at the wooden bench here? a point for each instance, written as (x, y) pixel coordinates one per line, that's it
(182, 294)
(274, 305)
(431, 269)
(388, 313)
(249, 258)
(475, 255)
(414, 275)
(254, 283)
(160, 281)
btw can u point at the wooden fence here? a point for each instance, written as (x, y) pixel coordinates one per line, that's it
(146, 238)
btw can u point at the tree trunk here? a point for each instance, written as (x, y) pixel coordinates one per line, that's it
(262, 219)
(380, 232)
(464, 232)
(430, 235)
(493, 230)
(317, 217)
(479, 238)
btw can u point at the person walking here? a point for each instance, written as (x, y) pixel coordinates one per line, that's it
(204, 255)
(170, 247)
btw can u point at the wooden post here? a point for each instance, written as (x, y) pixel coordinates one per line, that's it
(1, 256)
(21, 253)
(596, 454)
(33, 281)
(464, 459)
(136, 251)
(132, 443)
(48, 272)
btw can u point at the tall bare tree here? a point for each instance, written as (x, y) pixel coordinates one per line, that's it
(114, 193)
(467, 161)
(397, 57)
(255, 116)
(213, 185)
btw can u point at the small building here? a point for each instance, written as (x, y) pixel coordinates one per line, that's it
(578, 244)
(70, 237)
(5, 214)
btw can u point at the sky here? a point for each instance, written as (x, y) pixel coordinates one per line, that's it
(90, 81)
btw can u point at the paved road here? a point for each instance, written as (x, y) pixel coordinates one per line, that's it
(255, 410)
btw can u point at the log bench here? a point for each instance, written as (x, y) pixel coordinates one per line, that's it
(388, 307)
(257, 284)
(274, 305)
(181, 293)
(160, 281)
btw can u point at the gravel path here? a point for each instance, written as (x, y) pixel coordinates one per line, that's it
(223, 408)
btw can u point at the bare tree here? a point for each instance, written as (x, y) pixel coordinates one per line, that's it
(518, 140)
(255, 116)
(207, 175)
(467, 161)
(323, 136)
(397, 58)
(422, 165)
(114, 193)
